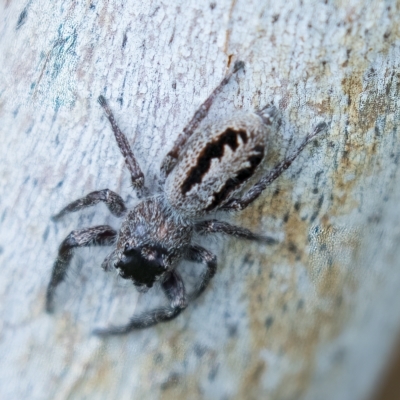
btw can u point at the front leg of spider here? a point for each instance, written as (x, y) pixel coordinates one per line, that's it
(174, 289)
(112, 200)
(102, 235)
(200, 255)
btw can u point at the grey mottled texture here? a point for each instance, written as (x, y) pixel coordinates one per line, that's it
(311, 317)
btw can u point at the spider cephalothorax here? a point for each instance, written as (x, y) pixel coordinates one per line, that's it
(206, 171)
(150, 243)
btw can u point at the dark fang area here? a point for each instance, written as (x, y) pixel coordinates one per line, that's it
(212, 150)
(242, 176)
(139, 269)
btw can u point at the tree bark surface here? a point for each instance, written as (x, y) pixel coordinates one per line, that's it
(311, 317)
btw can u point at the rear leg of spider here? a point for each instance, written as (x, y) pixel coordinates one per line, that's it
(112, 200)
(137, 177)
(171, 158)
(174, 289)
(240, 204)
(102, 235)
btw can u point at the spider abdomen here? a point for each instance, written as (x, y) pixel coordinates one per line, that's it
(217, 163)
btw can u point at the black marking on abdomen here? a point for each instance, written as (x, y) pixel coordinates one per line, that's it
(214, 149)
(241, 176)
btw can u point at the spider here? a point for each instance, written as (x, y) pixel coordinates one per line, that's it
(205, 171)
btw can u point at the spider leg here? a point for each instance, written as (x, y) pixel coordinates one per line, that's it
(201, 255)
(102, 235)
(137, 176)
(215, 226)
(113, 201)
(172, 157)
(240, 204)
(174, 289)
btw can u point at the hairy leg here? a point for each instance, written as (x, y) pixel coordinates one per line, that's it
(256, 190)
(172, 157)
(215, 226)
(137, 176)
(114, 203)
(102, 235)
(174, 289)
(201, 255)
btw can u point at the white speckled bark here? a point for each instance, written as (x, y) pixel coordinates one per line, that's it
(312, 317)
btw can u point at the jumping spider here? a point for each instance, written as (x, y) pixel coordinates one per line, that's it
(205, 171)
